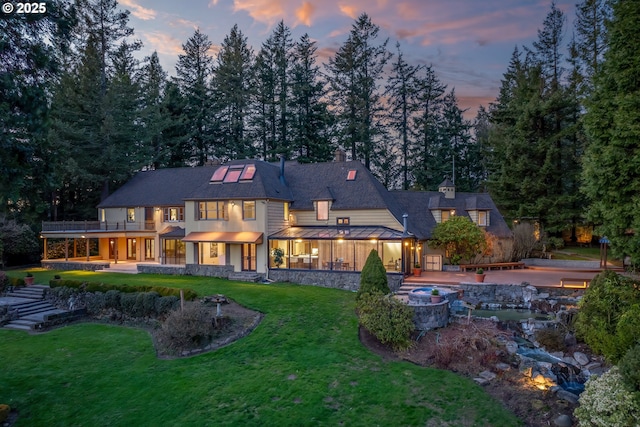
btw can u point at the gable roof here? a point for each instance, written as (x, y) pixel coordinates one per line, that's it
(418, 205)
(310, 182)
(266, 184)
(160, 187)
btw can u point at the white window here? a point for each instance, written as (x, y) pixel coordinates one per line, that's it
(249, 210)
(322, 210)
(131, 215)
(173, 214)
(447, 214)
(483, 218)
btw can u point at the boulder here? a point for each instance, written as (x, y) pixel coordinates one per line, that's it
(581, 358)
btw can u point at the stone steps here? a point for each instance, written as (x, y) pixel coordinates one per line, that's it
(30, 307)
(246, 276)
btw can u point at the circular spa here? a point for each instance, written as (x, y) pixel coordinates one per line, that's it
(428, 315)
(423, 295)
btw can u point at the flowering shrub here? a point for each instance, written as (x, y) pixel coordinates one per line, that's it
(606, 402)
(389, 319)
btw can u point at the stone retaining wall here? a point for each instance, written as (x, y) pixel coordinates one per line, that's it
(430, 316)
(520, 294)
(558, 263)
(176, 270)
(347, 280)
(73, 265)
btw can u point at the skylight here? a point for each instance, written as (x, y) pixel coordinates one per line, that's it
(351, 175)
(234, 173)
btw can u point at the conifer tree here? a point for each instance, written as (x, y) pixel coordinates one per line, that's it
(611, 174)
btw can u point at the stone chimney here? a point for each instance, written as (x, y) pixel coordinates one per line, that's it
(448, 188)
(340, 155)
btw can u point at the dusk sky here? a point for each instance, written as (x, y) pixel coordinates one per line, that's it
(468, 42)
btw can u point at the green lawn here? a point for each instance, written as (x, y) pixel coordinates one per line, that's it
(302, 366)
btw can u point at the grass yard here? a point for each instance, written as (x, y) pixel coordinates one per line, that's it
(302, 366)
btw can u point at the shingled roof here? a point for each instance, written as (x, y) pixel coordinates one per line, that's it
(418, 204)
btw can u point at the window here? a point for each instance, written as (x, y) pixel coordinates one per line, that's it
(131, 215)
(215, 210)
(173, 214)
(342, 221)
(322, 210)
(234, 173)
(286, 211)
(483, 218)
(447, 214)
(351, 175)
(249, 210)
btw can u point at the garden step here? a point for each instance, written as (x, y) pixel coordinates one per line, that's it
(246, 276)
(32, 292)
(17, 325)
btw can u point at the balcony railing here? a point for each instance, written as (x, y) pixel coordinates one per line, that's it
(87, 226)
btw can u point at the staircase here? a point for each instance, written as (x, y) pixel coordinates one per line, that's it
(246, 276)
(31, 308)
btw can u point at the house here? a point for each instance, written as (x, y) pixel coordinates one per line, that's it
(231, 218)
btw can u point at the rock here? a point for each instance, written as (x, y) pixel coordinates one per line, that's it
(481, 381)
(512, 347)
(487, 375)
(563, 421)
(570, 340)
(570, 360)
(501, 366)
(581, 358)
(568, 396)
(557, 354)
(592, 366)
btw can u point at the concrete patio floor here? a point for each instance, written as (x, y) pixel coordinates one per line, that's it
(538, 277)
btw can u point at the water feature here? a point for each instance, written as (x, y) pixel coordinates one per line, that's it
(423, 295)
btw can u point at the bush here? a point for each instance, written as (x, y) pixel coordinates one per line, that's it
(164, 305)
(609, 315)
(605, 402)
(4, 281)
(95, 303)
(524, 241)
(4, 412)
(460, 238)
(387, 318)
(189, 294)
(112, 300)
(373, 277)
(630, 369)
(551, 338)
(187, 329)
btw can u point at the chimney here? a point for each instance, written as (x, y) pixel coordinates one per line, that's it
(340, 155)
(282, 170)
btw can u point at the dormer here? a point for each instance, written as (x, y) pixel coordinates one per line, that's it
(448, 188)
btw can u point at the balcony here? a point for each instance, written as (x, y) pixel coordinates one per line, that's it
(86, 226)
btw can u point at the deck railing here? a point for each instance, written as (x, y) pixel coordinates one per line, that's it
(86, 226)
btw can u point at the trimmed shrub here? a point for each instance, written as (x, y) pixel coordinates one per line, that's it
(630, 369)
(373, 277)
(16, 282)
(149, 300)
(112, 300)
(187, 329)
(95, 302)
(189, 294)
(609, 315)
(387, 318)
(128, 304)
(605, 402)
(164, 305)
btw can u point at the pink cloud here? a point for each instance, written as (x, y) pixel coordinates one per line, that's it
(305, 12)
(138, 11)
(163, 43)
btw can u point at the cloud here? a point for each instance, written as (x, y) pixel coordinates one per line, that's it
(180, 23)
(163, 43)
(138, 11)
(305, 12)
(265, 11)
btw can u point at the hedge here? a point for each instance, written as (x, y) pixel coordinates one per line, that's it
(163, 291)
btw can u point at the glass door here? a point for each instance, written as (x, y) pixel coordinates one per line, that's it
(248, 257)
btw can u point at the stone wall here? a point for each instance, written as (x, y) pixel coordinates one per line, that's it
(176, 270)
(558, 263)
(347, 280)
(73, 265)
(430, 316)
(520, 294)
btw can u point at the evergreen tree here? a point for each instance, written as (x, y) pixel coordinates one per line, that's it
(310, 117)
(354, 72)
(232, 85)
(429, 98)
(591, 41)
(402, 91)
(154, 120)
(193, 75)
(611, 174)
(30, 48)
